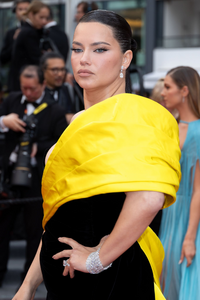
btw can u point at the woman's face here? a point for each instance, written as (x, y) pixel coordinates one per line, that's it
(40, 19)
(96, 57)
(171, 93)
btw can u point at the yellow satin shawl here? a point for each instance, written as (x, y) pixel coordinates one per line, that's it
(125, 143)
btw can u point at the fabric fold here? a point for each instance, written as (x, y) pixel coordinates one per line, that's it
(125, 143)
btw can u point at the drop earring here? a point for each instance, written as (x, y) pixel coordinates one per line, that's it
(121, 75)
(183, 99)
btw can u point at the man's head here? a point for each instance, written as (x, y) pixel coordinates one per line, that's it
(32, 82)
(53, 66)
(20, 7)
(82, 8)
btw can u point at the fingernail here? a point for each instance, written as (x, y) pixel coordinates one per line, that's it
(179, 262)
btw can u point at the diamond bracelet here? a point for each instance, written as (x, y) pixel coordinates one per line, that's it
(93, 263)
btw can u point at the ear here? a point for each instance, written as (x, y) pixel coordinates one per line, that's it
(44, 84)
(185, 91)
(30, 15)
(127, 58)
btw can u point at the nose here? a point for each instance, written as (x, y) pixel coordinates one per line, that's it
(163, 92)
(85, 58)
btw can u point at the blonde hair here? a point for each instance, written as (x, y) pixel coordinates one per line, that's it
(187, 76)
(35, 6)
(156, 92)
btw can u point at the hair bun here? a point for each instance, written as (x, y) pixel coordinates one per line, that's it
(133, 45)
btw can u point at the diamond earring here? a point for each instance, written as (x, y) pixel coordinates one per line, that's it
(121, 75)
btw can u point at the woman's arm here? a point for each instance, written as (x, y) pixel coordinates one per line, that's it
(32, 280)
(188, 248)
(138, 211)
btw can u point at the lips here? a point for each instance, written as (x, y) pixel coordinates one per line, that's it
(84, 71)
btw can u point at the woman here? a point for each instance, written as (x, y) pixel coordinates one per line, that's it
(106, 178)
(27, 45)
(179, 230)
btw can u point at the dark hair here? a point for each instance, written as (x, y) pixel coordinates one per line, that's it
(49, 55)
(16, 2)
(88, 6)
(187, 76)
(32, 71)
(121, 32)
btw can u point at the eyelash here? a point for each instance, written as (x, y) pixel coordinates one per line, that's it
(99, 50)
(76, 50)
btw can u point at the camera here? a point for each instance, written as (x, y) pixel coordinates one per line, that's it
(21, 174)
(46, 43)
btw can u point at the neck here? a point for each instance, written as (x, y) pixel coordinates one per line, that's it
(50, 87)
(186, 114)
(95, 96)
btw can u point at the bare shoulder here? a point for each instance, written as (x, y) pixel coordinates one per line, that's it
(76, 115)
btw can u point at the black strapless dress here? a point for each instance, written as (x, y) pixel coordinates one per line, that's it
(87, 221)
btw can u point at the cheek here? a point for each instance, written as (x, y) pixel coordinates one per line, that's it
(109, 67)
(37, 94)
(74, 62)
(175, 95)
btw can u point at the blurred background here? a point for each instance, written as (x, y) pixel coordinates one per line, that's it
(168, 35)
(167, 32)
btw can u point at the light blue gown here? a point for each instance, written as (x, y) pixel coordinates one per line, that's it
(178, 281)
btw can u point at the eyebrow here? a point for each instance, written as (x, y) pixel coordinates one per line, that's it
(93, 44)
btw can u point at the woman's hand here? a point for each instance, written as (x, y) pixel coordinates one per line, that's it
(188, 251)
(77, 255)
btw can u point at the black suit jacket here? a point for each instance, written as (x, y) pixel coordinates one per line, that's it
(60, 39)
(51, 124)
(64, 98)
(6, 51)
(26, 51)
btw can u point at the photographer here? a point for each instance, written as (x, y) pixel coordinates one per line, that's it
(53, 66)
(50, 122)
(54, 38)
(26, 49)
(19, 8)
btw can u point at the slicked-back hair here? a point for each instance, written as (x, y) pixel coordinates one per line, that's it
(121, 32)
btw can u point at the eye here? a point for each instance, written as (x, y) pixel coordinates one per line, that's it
(76, 50)
(100, 50)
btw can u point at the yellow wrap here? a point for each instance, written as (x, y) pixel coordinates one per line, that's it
(125, 143)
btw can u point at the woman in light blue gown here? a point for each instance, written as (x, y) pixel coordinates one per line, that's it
(180, 226)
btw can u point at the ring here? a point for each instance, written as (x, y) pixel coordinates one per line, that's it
(65, 263)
